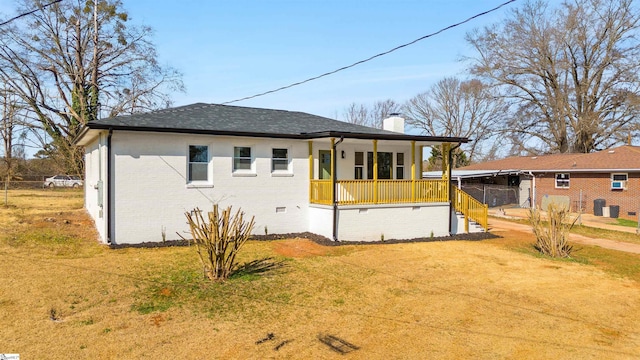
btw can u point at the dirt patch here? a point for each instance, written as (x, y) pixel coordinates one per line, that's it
(299, 248)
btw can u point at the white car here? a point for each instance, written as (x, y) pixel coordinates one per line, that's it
(63, 181)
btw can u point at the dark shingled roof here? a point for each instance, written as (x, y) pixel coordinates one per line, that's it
(245, 121)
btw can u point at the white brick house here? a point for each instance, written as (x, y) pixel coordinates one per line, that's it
(144, 171)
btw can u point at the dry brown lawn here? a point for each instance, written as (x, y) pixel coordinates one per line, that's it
(62, 296)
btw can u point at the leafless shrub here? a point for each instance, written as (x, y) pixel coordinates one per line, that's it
(219, 239)
(552, 237)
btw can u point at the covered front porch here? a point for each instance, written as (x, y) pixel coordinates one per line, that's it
(388, 190)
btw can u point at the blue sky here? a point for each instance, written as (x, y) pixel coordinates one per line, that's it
(232, 49)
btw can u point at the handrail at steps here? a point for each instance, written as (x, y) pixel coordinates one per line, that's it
(470, 208)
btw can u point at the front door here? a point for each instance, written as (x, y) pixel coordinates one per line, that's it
(324, 164)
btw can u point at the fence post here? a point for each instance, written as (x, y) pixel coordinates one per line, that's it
(580, 209)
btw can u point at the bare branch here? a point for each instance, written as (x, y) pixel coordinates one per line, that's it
(570, 73)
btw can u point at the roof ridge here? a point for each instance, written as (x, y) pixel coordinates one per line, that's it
(181, 108)
(565, 156)
(253, 107)
(635, 149)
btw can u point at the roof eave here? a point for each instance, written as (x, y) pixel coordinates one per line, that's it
(584, 170)
(391, 136)
(85, 136)
(190, 131)
(302, 136)
(563, 170)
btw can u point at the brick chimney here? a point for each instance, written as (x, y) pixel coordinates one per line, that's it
(394, 123)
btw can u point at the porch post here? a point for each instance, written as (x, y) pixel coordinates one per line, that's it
(310, 170)
(420, 155)
(446, 148)
(375, 171)
(413, 171)
(446, 167)
(310, 160)
(333, 175)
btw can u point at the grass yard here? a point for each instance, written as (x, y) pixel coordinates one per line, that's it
(626, 222)
(63, 296)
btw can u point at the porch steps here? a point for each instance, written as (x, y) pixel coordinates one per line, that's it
(474, 227)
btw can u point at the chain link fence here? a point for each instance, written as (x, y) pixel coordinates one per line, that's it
(493, 195)
(22, 185)
(26, 182)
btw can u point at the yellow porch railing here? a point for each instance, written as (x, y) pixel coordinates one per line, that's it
(432, 191)
(470, 208)
(320, 192)
(365, 192)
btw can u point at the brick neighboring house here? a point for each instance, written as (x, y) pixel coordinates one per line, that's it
(612, 175)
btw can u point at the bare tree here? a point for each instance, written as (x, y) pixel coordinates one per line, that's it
(10, 131)
(75, 59)
(452, 107)
(373, 116)
(357, 114)
(571, 73)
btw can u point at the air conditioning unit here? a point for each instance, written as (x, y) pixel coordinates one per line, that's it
(618, 185)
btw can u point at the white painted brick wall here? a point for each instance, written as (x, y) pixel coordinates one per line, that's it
(150, 191)
(152, 194)
(94, 168)
(321, 220)
(394, 222)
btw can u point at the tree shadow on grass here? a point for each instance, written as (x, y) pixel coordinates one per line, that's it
(257, 268)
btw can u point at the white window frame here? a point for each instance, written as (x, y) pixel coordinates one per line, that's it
(624, 182)
(567, 180)
(400, 166)
(360, 166)
(252, 167)
(281, 172)
(209, 179)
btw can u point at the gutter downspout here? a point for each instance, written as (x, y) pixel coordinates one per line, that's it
(449, 185)
(335, 201)
(108, 183)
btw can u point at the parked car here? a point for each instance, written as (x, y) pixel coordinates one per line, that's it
(63, 181)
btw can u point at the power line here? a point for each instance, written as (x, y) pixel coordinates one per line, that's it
(372, 57)
(30, 12)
